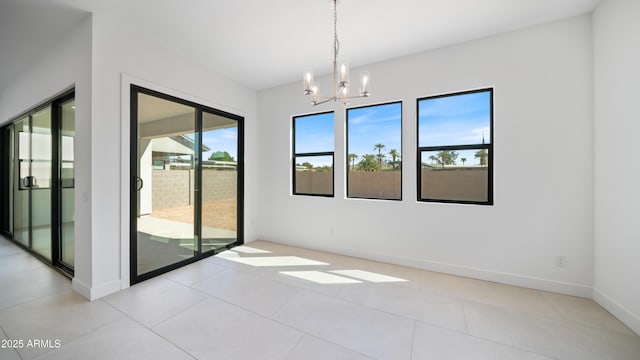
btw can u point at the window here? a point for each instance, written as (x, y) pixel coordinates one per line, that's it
(313, 146)
(455, 148)
(374, 152)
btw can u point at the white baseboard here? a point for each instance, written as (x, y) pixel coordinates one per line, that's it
(566, 288)
(623, 314)
(81, 288)
(488, 275)
(96, 292)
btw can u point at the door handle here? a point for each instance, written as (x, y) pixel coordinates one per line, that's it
(29, 182)
(139, 183)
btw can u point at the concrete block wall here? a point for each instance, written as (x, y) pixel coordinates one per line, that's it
(174, 188)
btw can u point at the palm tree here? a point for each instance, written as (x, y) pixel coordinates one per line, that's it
(433, 159)
(394, 155)
(352, 160)
(368, 163)
(380, 156)
(482, 155)
(447, 157)
(463, 160)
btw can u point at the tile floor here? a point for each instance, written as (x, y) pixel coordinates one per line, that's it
(270, 301)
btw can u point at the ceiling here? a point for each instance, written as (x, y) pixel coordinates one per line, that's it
(262, 44)
(153, 108)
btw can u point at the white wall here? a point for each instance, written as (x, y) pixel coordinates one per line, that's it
(68, 62)
(617, 171)
(543, 129)
(122, 55)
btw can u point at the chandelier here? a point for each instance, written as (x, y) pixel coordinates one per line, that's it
(340, 76)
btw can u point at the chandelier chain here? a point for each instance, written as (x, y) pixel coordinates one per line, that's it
(336, 42)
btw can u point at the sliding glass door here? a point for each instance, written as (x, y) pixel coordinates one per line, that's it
(164, 183)
(185, 186)
(32, 205)
(66, 196)
(38, 184)
(22, 178)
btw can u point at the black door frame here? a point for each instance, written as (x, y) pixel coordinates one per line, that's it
(56, 188)
(56, 184)
(134, 90)
(6, 198)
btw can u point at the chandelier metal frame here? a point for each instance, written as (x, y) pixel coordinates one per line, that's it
(340, 76)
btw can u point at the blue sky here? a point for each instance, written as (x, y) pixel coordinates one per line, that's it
(454, 120)
(367, 126)
(380, 124)
(314, 133)
(221, 140)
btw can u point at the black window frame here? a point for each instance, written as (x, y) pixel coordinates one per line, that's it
(295, 155)
(347, 149)
(483, 146)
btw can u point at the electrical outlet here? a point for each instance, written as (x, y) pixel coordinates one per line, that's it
(561, 261)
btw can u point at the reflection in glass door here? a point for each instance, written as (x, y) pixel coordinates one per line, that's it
(32, 205)
(40, 182)
(186, 182)
(22, 178)
(67, 182)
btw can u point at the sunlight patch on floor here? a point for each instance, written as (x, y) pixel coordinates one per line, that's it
(228, 254)
(320, 277)
(250, 250)
(368, 276)
(275, 261)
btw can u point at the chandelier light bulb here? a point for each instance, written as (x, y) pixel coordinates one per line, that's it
(364, 83)
(344, 73)
(308, 82)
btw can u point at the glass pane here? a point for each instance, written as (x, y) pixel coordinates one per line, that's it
(165, 197)
(314, 175)
(314, 133)
(219, 181)
(67, 173)
(375, 185)
(40, 184)
(21, 202)
(463, 119)
(455, 175)
(374, 146)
